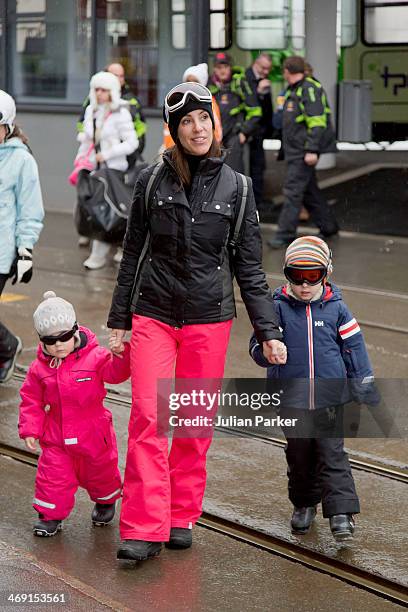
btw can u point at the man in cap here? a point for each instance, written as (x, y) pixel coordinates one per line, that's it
(240, 111)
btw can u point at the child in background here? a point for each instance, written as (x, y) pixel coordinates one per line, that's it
(62, 408)
(324, 341)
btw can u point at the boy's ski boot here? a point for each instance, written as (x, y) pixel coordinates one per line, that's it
(342, 527)
(302, 518)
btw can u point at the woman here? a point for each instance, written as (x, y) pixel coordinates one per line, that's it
(108, 137)
(21, 215)
(181, 307)
(196, 74)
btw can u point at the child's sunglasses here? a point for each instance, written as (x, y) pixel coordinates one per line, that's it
(298, 276)
(63, 337)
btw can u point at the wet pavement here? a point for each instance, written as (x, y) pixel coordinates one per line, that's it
(246, 479)
(217, 573)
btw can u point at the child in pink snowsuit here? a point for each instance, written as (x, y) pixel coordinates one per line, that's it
(62, 407)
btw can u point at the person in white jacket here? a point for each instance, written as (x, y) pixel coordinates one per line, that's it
(107, 123)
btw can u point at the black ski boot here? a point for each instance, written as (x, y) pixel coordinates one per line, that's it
(7, 367)
(44, 528)
(138, 550)
(302, 518)
(102, 514)
(342, 527)
(180, 538)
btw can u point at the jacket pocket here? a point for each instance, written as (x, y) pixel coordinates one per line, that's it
(86, 387)
(214, 223)
(163, 216)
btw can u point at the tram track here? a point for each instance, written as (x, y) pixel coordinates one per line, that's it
(373, 466)
(358, 577)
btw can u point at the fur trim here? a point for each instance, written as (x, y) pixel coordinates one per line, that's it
(109, 81)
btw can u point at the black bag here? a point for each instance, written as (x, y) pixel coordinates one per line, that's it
(103, 203)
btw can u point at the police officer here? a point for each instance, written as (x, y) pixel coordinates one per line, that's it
(257, 78)
(135, 109)
(306, 133)
(240, 111)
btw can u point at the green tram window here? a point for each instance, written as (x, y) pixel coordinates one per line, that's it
(385, 22)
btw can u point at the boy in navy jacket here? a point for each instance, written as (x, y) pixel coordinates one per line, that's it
(324, 341)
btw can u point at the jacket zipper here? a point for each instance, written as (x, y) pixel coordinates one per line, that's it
(309, 319)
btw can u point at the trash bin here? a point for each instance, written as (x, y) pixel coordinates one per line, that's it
(354, 111)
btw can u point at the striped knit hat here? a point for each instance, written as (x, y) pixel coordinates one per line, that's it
(309, 252)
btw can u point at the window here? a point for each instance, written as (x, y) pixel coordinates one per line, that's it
(297, 19)
(262, 24)
(385, 22)
(348, 22)
(127, 32)
(180, 20)
(50, 50)
(220, 24)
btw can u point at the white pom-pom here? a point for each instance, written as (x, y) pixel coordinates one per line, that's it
(49, 294)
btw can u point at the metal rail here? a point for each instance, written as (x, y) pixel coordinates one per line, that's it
(357, 577)
(373, 467)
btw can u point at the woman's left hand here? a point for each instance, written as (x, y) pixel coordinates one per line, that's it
(275, 352)
(99, 158)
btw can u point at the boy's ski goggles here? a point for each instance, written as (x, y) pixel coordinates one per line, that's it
(178, 96)
(63, 337)
(298, 276)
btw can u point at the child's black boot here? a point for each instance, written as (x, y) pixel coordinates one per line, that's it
(342, 527)
(302, 518)
(44, 528)
(102, 514)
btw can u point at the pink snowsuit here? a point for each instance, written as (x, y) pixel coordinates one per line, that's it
(76, 434)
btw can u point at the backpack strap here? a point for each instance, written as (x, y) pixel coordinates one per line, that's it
(149, 188)
(241, 178)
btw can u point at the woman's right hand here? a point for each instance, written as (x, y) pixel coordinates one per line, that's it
(116, 340)
(31, 443)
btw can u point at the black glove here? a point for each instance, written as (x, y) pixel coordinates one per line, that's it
(22, 268)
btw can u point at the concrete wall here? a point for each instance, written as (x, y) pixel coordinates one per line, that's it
(52, 138)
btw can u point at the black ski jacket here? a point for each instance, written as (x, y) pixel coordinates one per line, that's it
(187, 274)
(306, 120)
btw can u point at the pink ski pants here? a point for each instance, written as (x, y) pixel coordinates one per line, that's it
(161, 489)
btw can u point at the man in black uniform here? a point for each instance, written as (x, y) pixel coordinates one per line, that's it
(306, 133)
(135, 109)
(257, 78)
(240, 111)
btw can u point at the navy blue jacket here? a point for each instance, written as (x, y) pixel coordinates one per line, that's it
(325, 345)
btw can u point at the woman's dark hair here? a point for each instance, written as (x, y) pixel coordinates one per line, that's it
(178, 157)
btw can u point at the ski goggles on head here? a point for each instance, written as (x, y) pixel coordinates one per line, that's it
(178, 96)
(63, 337)
(311, 276)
